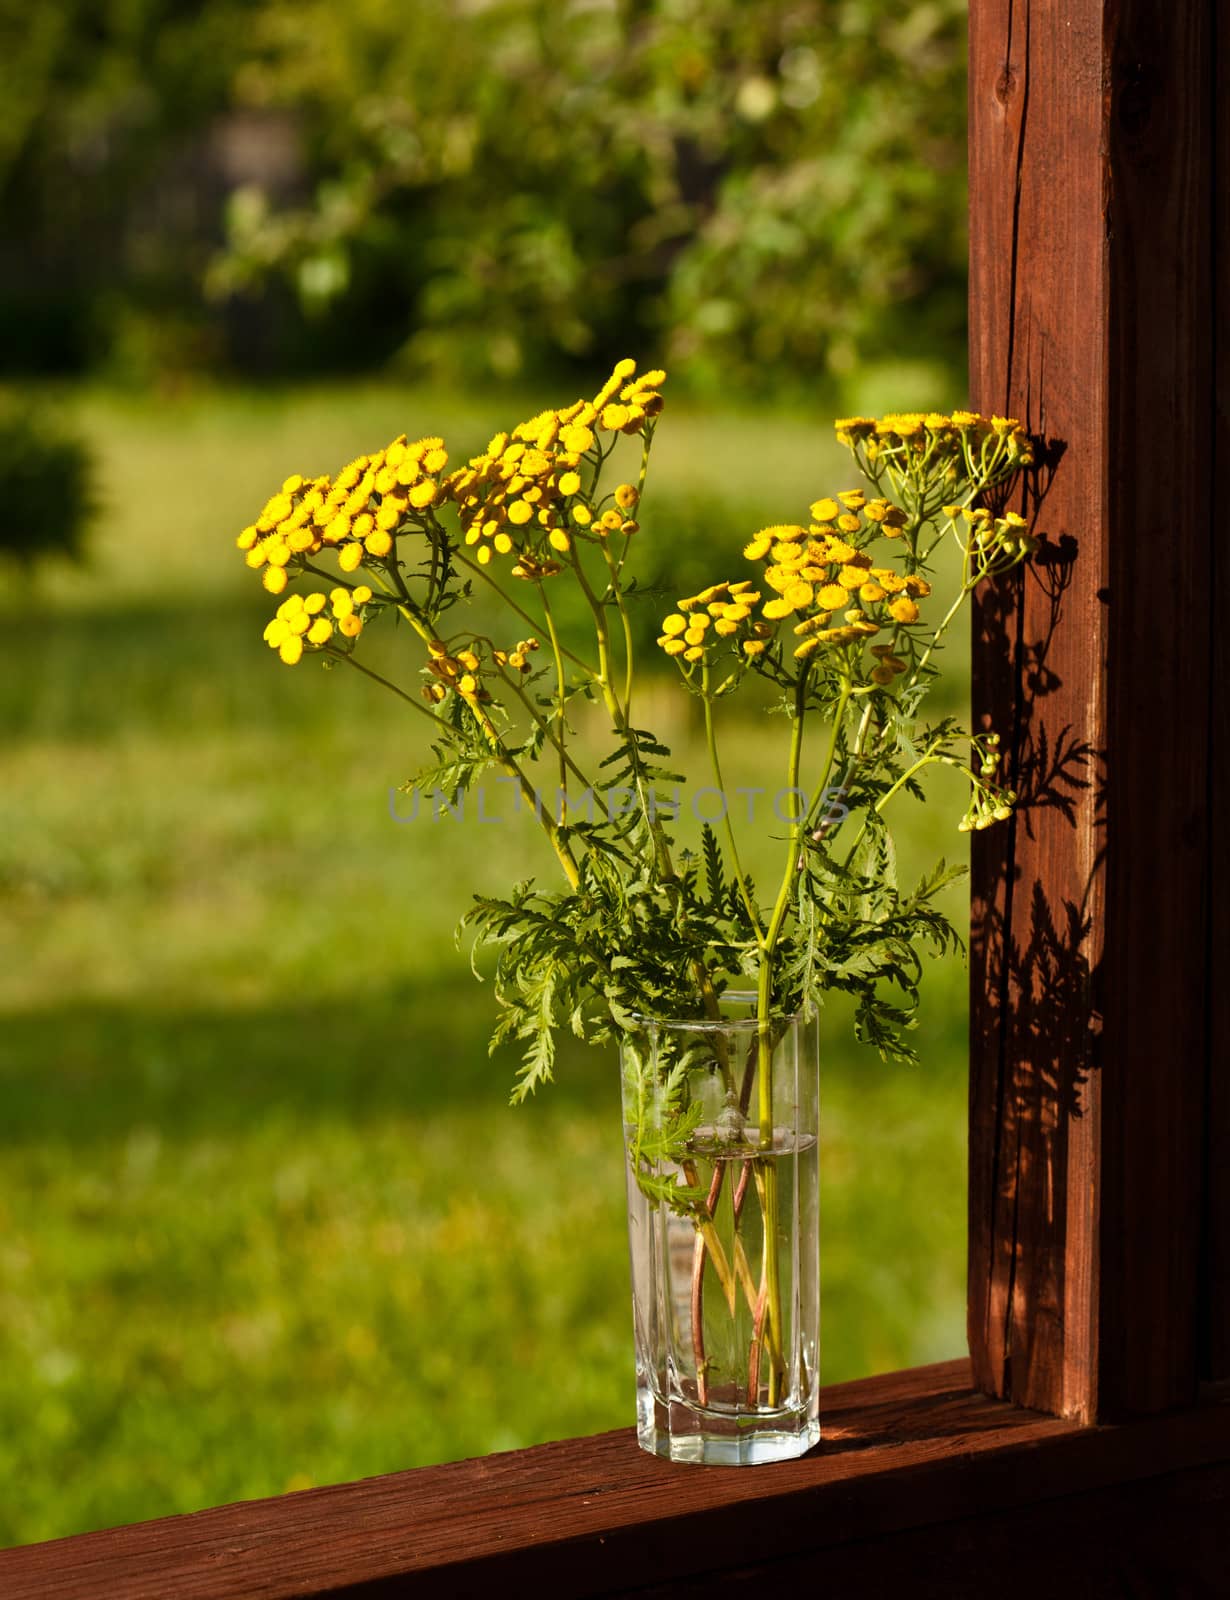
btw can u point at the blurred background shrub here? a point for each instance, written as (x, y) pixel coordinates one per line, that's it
(765, 194)
(46, 499)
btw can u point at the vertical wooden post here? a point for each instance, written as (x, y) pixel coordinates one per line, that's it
(1092, 296)
(1216, 1304)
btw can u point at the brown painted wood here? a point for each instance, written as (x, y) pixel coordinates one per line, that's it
(1091, 295)
(598, 1516)
(1165, 1536)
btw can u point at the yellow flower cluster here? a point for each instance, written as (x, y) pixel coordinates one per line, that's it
(524, 496)
(462, 669)
(724, 608)
(359, 513)
(923, 431)
(310, 621)
(815, 572)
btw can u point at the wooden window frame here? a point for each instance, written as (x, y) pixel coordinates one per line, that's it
(1099, 1225)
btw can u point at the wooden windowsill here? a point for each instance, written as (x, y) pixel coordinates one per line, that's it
(913, 1450)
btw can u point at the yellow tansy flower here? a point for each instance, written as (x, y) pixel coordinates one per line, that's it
(576, 437)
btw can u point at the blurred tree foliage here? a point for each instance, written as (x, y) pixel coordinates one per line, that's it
(765, 190)
(100, 100)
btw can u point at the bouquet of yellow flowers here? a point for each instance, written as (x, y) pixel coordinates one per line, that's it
(698, 975)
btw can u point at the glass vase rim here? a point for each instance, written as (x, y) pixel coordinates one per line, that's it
(644, 1023)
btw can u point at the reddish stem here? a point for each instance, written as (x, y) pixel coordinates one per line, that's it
(698, 1320)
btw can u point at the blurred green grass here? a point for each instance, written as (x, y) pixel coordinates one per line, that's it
(266, 1218)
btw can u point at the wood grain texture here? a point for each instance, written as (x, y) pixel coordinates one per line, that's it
(598, 1516)
(1092, 294)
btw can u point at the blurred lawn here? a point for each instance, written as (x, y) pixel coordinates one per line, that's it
(266, 1219)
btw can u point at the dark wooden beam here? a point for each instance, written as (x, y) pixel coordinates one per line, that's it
(1092, 294)
(1217, 1230)
(904, 1458)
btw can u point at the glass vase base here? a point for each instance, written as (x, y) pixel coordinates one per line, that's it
(679, 1431)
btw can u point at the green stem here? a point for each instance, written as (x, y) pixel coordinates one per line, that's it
(711, 741)
(560, 685)
(566, 761)
(559, 843)
(767, 1189)
(928, 760)
(662, 853)
(626, 622)
(563, 851)
(342, 655)
(534, 622)
(941, 630)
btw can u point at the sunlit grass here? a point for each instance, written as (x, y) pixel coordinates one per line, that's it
(265, 1216)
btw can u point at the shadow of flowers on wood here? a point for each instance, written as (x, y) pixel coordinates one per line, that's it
(1035, 949)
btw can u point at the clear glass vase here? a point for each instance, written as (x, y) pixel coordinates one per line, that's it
(721, 1128)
